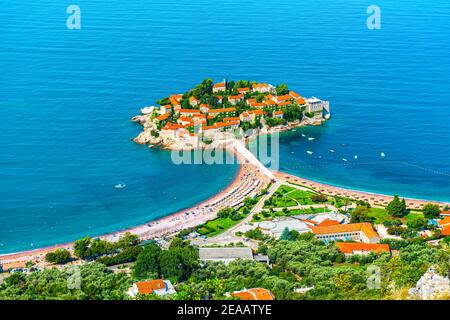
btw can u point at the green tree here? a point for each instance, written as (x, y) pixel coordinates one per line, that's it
(431, 211)
(397, 207)
(60, 256)
(282, 89)
(360, 214)
(147, 262)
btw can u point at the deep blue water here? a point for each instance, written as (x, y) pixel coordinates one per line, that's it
(66, 97)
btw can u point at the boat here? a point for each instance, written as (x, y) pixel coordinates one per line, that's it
(356, 157)
(310, 139)
(303, 135)
(382, 155)
(309, 152)
(332, 151)
(345, 160)
(292, 152)
(120, 186)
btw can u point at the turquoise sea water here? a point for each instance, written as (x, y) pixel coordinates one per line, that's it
(66, 97)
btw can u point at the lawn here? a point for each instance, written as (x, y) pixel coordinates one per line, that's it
(287, 196)
(414, 216)
(270, 215)
(379, 214)
(216, 226)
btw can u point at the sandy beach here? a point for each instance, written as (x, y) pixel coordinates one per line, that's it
(373, 198)
(249, 177)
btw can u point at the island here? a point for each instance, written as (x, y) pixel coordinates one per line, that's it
(211, 112)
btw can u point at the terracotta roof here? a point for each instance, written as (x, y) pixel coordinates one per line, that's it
(254, 294)
(445, 212)
(258, 104)
(231, 119)
(270, 102)
(219, 85)
(189, 111)
(147, 287)
(342, 228)
(236, 97)
(167, 106)
(172, 126)
(328, 222)
(285, 97)
(446, 230)
(259, 85)
(444, 221)
(209, 127)
(257, 112)
(219, 97)
(243, 89)
(279, 112)
(283, 103)
(350, 247)
(174, 100)
(300, 101)
(294, 94)
(223, 110)
(162, 117)
(193, 98)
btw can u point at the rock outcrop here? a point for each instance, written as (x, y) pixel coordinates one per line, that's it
(430, 286)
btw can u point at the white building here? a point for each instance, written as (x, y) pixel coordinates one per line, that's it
(314, 105)
(225, 254)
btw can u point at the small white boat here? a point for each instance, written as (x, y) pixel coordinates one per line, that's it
(303, 135)
(345, 160)
(309, 152)
(292, 152)
(356, 157)
(311, 139)
(382, 155)
(332, 151)
(120, 186)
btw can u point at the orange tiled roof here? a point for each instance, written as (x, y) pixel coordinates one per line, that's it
(258, 104)
(259, 85)
(270, 102)
(167, 106)
(189, 111)
(231, 119)
(219, 97)
(283, 103)
(257, 112)
(285, 97)
(328, 222)
(254, 294)
(173, 99)
(300, 101)
(445, 212)
(162, 117)
(236, 97)
(223, 110)
(219, 85)
(446, 230)
(281, 112)
(147, 287)
(172, 126)
(444, 221)
(341, 228)
(243, 89)
(294, 94)
(349, 247)
(193, 99)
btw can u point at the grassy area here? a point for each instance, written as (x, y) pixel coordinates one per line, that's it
(216, 226)
(287, 196)
(379, 214)
(414, 215)
(267, 215)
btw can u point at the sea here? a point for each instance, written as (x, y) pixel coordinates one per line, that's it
(68, 167)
